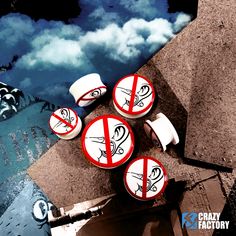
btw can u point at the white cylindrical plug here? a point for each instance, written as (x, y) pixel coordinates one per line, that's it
(161, 131)
(65, 123)
(133, 96)
(87, 89)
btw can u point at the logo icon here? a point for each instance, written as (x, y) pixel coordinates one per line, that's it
(190, 220)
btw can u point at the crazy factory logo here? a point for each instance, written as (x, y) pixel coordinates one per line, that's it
(119, 135)
(153, 178)
(193, 220)
(190, 220)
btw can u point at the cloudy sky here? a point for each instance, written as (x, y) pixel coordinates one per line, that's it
(112, 39)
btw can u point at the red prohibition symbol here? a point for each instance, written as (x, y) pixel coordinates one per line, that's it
(108, 141)
(145, 178)
(133, 96)
(63, 121)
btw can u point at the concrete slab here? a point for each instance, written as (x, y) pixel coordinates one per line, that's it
(199, 65)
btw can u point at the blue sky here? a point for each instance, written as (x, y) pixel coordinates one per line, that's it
(112, 39)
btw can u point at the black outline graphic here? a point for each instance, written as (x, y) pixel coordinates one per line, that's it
(151, 180)
(38, 196)
(120, 134)
(95, 93)
(65, 112)
(144, 92)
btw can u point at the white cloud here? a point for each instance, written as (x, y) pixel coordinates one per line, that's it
(125, 43)
(102, 18)
(54, 47)
(145, 8)
(52, 53)
(58, 28)
(110, 42)
(55, 51)
(15, 34)
(181, 21)
(14, 29)
(154, 33)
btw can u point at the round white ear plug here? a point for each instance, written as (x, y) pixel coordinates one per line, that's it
(161, 131)
(107, 141)
(65, 123)
(145, 178)
(87, 89)
(133, 96)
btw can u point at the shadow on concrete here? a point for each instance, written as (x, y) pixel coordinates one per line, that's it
(127, 216)
(229, 214)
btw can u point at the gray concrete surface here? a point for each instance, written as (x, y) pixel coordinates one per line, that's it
(199, 65)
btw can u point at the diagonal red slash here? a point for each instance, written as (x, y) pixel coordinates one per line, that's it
(144, 192)
(107, 141)
(132, 98)
(63, 121)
